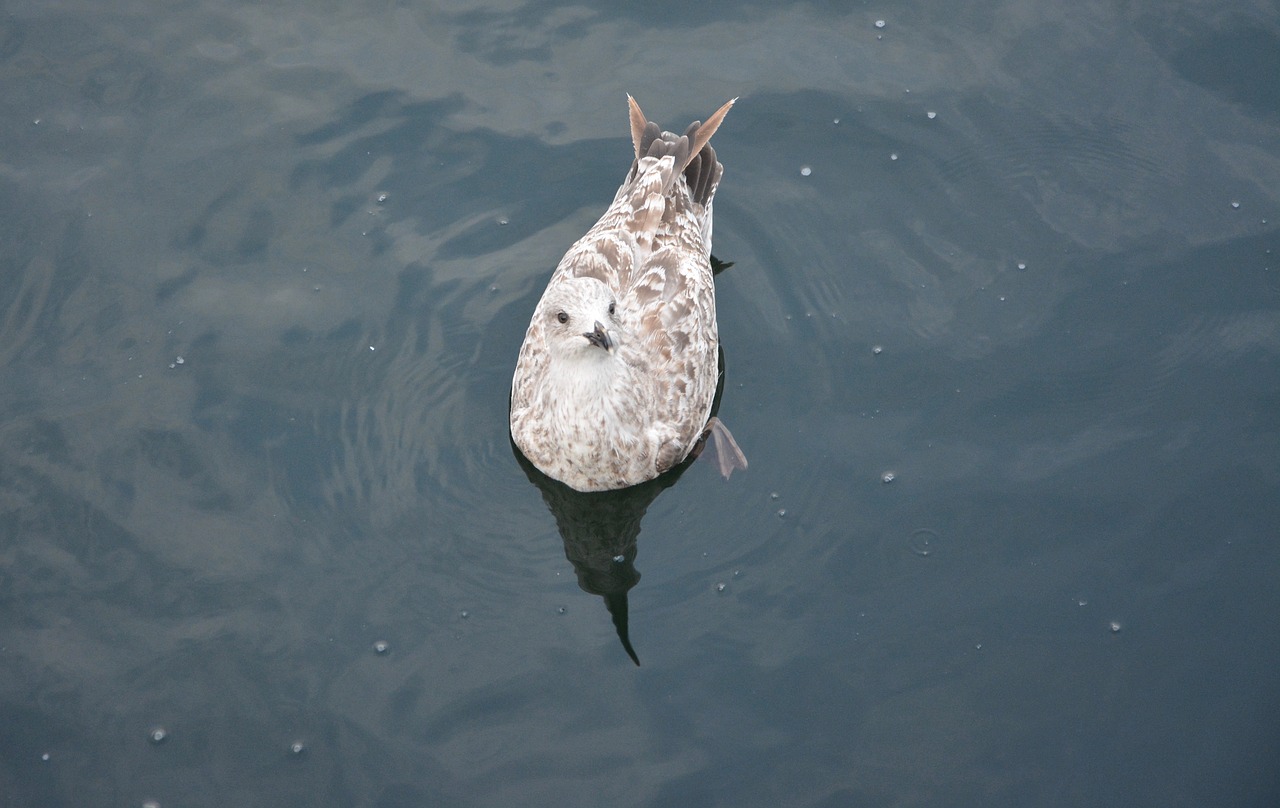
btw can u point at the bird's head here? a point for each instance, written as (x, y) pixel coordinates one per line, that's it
(580, 318)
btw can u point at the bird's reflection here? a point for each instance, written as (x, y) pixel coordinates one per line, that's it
(600, 528)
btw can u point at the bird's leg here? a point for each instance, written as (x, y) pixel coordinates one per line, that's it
(728, 456)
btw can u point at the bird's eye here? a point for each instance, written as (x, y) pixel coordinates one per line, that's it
(611, 307)
(562, 317)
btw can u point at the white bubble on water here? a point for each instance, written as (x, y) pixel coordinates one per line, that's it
(923, 541)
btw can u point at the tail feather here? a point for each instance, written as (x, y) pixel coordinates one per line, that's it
(693, 155)
(703, 174)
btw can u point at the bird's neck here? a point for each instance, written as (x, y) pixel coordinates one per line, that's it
(591, 388)
(586, 375)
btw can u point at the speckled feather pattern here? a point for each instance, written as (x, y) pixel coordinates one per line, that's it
(622, 408)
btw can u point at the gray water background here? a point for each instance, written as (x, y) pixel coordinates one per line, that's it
(264, 269)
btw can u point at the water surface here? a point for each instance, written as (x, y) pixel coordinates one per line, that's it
(264, 271)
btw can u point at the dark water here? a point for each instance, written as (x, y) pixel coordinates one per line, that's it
(263, 275)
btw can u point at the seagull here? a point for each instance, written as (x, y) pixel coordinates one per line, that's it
(616, 376)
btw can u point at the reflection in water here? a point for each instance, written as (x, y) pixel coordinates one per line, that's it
(599, 528)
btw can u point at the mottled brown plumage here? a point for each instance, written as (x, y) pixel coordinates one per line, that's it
(616, 376)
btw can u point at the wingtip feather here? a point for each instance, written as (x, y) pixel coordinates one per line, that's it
(709, 127)
(638, 122)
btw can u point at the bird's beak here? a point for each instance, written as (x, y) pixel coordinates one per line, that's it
(599, 337)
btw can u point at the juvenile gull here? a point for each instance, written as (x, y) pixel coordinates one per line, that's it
(616, 376)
